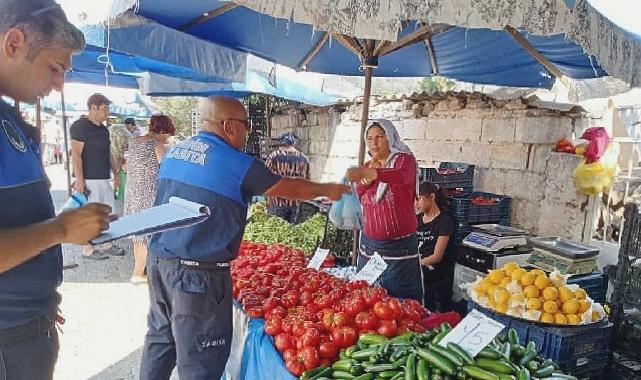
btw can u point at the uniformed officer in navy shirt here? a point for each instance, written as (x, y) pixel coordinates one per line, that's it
(190, 317)
(37, 42)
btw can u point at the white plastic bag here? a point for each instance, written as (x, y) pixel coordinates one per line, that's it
(347, 213)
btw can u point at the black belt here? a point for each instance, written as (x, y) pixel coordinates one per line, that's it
(202, 265)
(29, 329)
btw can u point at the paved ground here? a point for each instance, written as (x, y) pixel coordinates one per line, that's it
(105, 314)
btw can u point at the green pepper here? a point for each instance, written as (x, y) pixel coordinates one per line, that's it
(422, 370)
(410, 367)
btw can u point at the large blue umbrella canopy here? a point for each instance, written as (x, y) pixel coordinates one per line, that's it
(478, 55)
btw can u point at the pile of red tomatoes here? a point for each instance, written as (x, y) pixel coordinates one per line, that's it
(311, 314)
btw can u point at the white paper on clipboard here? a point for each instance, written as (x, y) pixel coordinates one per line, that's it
(177, 213)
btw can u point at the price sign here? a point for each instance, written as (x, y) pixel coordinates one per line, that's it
(473, 333)
(318, 258)
(372, 270)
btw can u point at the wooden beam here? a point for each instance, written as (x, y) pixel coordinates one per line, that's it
(350, 43)
(537, 55)
(430, 52)
(312, 53)
(381, 45)
(422, 33)
(208, 16)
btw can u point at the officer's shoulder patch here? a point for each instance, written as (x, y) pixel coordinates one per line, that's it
(14, 136)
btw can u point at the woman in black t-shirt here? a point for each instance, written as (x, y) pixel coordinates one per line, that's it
(436, 246)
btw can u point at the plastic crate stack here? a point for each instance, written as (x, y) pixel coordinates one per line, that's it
(579, 351)
(595, 284)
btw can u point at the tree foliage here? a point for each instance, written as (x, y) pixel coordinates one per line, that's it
(436, 84)
(179, 109)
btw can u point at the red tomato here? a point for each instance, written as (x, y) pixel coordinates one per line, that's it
(283, 341)
(355, 305)
(328, 350)
(289, 354)
(278, 311)
(310, 338)
(255, 312)
(298, 328)
(322, 300)
(290, 299)
(366, 320)
(383, 311)
(273, 326)
(270, 304)
(344, 337)
(309, 357)
(388, 329)
(372, 295)
(396, 307)
(333, 320)
(306, 298)
(295, 367)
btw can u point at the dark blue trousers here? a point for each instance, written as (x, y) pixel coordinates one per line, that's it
(29, 351)
(189, 322)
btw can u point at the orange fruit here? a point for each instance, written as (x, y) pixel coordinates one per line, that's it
(580, 294)
(533, 304)
(517, 274)
(528, 279)
(547, 318)
(584, 305)
(550, 307)
(541, 282)
(570, 307)
(550, 293)
(531, 291)
(560, 319)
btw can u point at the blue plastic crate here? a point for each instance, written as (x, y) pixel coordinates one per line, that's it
(569, 344)
(465, 212)
(589, 367)
(460, 183)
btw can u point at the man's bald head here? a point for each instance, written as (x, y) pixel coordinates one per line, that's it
(227, 118)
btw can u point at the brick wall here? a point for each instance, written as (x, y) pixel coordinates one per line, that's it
(509, 142)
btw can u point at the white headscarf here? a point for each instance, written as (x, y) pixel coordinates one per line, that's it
(396, 146)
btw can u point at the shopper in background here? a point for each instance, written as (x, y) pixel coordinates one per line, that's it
(386, 186)
(287, 161)
(93, 165)
(436, 245)
(143, 157)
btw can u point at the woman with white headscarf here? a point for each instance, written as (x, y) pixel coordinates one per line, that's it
(386, 186)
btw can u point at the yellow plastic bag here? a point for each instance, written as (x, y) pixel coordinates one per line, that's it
(592, 178)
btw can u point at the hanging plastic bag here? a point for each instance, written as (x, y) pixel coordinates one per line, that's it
(347, 213)
(592, 179)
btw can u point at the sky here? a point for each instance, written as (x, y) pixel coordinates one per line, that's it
(95, 10)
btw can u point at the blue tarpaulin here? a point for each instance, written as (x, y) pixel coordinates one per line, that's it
(260, 358)
(472, 55)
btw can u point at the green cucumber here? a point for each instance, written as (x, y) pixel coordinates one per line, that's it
(311, 373)
(437, 360)
(342, 375)
(489, 353)
(370, 339)
(524, 374)
(410, 367)
(379, 367)
(513, 337)
(544, 371)
(439, 337)
(506, 350)
(422, 370)
(403, 338)
(350, 350)
(388, 374)
(495, 366)
(533, 366)
(446, 327)
(454, 358)
(365, 376)
(458, 350)
(503, 376)
(479, 373)
(528, 356)
(344, 365)
(364, 354)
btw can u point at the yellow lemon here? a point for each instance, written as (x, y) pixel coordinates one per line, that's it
(506, 281)
(560, 319)
(531, 291)
(496, 276)
(517, 274)
(550, 307)
(584, 305)
(570, 307)
(550, 293)
(509, 267)
(573, 319)
(547, 318)
(501, 308)
(528, 279)
(580, 294)
(541, 282)
(595, 316)
(502, 296)
(565, 294)
(533, 304)
(538, 272)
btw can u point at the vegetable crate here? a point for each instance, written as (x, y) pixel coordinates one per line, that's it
(467, 210)
(575, 349)
(457, 178)
(595, 284)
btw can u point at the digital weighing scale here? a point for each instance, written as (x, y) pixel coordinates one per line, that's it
(490, 246)
(566, 256)
(494, 237)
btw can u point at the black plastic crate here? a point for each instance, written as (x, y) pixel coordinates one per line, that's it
(464, 211)
(595, 284)
(457, 178)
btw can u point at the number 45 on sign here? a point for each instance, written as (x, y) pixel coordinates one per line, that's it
(473, 333)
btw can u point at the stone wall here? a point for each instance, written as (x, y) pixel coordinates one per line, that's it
(509, 142)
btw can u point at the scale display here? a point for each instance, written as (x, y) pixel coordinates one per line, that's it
(548, 262)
